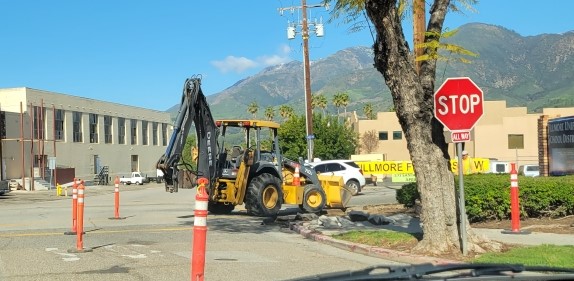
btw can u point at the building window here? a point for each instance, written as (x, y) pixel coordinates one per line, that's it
(38, 122)
(121, 130)
(134, 131)
(397, 135)
(93, 128)
(383, 135)
(164, 134)
(2, 124)
(144, 132)
(515, 141)
(77, 126)
(60, 115)
(154, 133)
(107, 129)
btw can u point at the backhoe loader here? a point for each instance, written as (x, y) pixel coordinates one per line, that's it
(252, 172)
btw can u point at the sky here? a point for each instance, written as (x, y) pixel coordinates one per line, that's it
(139, 53)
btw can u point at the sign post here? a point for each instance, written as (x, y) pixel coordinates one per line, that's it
(458, 104)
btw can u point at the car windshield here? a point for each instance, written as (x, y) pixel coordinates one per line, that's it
(352, 164)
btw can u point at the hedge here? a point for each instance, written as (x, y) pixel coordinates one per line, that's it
(487, 196)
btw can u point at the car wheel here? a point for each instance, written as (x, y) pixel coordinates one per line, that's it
(353, 187)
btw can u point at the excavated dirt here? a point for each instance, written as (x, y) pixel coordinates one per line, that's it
(563, 225)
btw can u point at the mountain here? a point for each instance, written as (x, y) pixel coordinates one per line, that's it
(533, 71)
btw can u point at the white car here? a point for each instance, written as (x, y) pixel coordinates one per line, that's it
(349, 170)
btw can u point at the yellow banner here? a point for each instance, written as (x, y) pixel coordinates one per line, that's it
(386, 167)
(479, 165)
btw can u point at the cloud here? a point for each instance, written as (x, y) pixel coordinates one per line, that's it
(236, 64)
(241, 64)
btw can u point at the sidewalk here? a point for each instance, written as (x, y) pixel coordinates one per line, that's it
(409, 224)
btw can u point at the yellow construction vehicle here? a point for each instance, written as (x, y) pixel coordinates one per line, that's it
(253, 172)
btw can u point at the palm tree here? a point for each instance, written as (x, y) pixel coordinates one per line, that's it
(368, 109)
(286, 111)
(252, 108)
(269, 113)
(320, 101)
(338, 102)
(345, 102)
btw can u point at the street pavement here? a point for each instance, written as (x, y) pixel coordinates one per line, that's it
(152, 240)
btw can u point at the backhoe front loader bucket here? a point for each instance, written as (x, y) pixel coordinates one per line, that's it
(337, 194)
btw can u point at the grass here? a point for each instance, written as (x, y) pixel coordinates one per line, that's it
(542, 255)
(545, 255)
(379, 238)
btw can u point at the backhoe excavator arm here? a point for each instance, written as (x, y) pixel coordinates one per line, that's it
(193, 109)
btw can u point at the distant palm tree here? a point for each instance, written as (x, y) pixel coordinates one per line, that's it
(286, 111)
(321, 102)
(252, 108)
(345, 102)
(368, 109)
(338, 103)
(269, 113)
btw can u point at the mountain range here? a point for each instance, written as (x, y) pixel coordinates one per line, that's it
(532, 71)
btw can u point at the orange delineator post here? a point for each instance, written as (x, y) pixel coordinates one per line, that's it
(514, 204)
(199, 231)
(117, 197)
(74, 208)
(80, 228)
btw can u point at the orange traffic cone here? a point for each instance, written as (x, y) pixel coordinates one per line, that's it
(296, 177)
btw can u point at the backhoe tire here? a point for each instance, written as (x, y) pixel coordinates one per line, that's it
(264, 196)
(314, 199)
(219, 208)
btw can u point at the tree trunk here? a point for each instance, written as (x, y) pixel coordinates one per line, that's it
(413, 99)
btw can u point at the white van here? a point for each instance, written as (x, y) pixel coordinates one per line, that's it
(529, 170)
(499, 167)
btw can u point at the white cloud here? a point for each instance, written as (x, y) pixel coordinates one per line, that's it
(241, 64)
(236, 64)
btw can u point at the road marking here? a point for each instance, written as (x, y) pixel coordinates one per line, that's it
(100, 232)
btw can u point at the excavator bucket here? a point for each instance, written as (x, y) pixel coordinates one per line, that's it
(337, 194)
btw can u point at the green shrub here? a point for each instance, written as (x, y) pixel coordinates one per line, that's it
(408, 194)
(487, 196)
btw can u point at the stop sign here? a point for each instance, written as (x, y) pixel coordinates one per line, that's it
(458, 104)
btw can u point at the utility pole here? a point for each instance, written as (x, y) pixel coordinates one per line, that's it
(419, 29)
(291, 31)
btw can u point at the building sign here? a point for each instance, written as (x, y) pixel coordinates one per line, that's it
(561, 146)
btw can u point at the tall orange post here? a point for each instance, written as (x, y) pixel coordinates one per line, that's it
(199, 231)
(74, 208)
(117, 198)
(80, 226)
(514, 203)
(80, 229)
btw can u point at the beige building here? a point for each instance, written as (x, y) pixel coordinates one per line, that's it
(44, 132)
(503, 133)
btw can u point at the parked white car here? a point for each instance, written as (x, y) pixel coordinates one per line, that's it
(348, 169)
(529, 170)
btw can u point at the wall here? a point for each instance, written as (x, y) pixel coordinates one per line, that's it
(79, 155)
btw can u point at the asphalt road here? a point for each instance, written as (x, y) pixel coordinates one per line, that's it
(153, 240)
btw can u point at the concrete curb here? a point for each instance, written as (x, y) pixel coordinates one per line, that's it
(365, 249)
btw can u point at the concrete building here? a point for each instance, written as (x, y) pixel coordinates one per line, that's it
(44, 132)
(503, 133)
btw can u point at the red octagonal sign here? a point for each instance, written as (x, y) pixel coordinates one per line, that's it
(458, 104)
